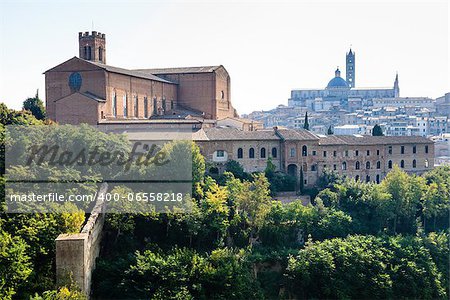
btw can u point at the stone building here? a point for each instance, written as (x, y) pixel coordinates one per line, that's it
(367, 158)
(85, 90)
(340, 92)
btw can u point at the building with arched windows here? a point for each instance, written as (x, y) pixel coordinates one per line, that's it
(367, 158)
(85, 89)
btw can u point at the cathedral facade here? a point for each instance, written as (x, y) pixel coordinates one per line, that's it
(339, 90)
(85, 89)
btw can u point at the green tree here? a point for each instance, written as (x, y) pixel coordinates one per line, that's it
(306, 123)
(15, 265)
(330, 131)
(35, 106)
(377, 131)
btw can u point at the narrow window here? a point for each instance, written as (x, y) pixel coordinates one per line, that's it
(263, 152)
(356, 152)
(292, 152)
(274, 152)
(100, 53)
(414, 149)
(324, 153)
(335, 167)
(145, 107)
(304, 151)
(426, 149)
(390, 164)
(313, 167)
(251, 153)
(378, 152)
(357, 178)
(89, 53)
(357, 166)
(155, 106)
(368, 152)
(378, 165)
(414, 164)
(390, 149)
(114, 104)
(335, 153)
(426, 163)
(136, 112)
(344, 166)
(378, 178)
(240, 153)
(367, 178)
(402, 149)
(314, 152)
(368, 165)
(125, 110)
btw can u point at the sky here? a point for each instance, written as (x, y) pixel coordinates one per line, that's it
(268, 47)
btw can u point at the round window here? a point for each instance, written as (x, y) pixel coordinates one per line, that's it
(75, 82)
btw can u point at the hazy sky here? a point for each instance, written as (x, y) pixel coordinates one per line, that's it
(268, 47)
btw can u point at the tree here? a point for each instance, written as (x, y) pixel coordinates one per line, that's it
(377, 130)
(35, 106)
(302, 180)
(306, 124)
(15, 266)
(330, 131)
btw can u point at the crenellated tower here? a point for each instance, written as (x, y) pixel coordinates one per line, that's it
(92, 46)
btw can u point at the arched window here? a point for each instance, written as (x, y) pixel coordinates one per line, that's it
(155, 106)
(304, 151)
(426, 163)
(85, 52)
(114, 104)
(145, 107)
(402, 164)
(378, 178)
(344, 166)
(274, 152)
(368, 165)
(251, 153)
(390, 164)
(313, 167)
(135, 104)
(357, 165)
(378, 165)
(414, 163)
(125, 110)
(367, 178)
(89, 53)
(263, 153)
(240, 153)
(100, 53)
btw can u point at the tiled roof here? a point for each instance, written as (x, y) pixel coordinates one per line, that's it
(206, 69)
(133, 73)
(371, 140)
(233, 134)
(297, 134)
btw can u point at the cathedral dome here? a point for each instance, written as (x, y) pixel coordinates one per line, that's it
(337, 81)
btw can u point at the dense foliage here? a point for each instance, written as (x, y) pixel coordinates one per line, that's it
(355, 240)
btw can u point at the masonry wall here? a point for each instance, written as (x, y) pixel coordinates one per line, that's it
(76, 253)
(141, 88)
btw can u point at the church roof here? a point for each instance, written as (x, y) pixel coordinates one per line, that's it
(186, 70)
(133, 73)
(371, 140)
(68, 66)
(337, 82)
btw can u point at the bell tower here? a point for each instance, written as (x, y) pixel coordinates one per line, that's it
(350, 68)
(92, 46)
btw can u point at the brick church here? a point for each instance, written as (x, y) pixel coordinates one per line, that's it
(85, 89)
